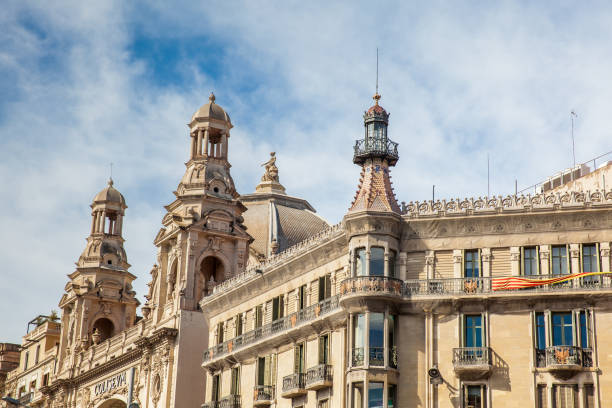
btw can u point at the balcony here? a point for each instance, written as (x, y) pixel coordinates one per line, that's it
(211, 404)
(26, 398)
(294, 385)
(263, 395)
(472, 363)
(564, 361)
(271, 332)
(319, 377)
(382, 287)
(358, 357)
(231, 401)
(374, 147)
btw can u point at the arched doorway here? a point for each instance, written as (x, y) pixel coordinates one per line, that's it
(211, 273)
(102, 329)
(113, 403)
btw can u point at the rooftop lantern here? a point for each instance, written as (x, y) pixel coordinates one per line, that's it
(375, 144)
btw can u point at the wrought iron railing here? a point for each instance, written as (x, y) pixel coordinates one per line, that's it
(320, 373)
(263, 393)
(286, 323)
(372, 284)
(295, 381)
(358, 357)
(563, 355)
(375, 146)
(231, 401)
(377, 356)
(26, 398)
(210, 404)
(471, 356)
(393, 358)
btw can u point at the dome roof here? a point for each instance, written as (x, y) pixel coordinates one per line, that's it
(376, 109)
(110, 194)
(211, 111)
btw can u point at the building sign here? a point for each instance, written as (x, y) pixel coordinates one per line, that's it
(110, 384)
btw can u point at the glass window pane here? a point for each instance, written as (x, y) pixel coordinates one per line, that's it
(540, 331)
(375, 395)
(377, 261)
(589, 258)
(473, 331)
(359, 330)
(391, 396)
(471, 264)
(559, 260)
(474, 396)
(357, 395)
(530, 261)
(377, 329)
(562, 329)
(583, 330)
(360, 262)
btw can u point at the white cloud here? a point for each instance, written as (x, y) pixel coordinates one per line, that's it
(460, 82)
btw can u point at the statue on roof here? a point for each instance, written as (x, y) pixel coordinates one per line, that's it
(271, 173)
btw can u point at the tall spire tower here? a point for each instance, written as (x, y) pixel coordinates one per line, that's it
(375, 153)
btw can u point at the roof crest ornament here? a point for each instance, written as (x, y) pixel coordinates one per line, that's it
(212, 98)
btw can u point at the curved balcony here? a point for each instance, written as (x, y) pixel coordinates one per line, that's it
(231, 401)
(382, 287)
(294, 385)
(564, 361)
(263, 395)
(472, 363)
(375, 147)
(319, 377)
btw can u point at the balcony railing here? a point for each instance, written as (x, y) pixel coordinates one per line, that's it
(319, 376)
(471, 356)
(393, 357)
(263, 393)
(377, 356)
(358, 357)
(210, 404)
(231, 401)
(568, 356)
(286, 323)
(26, 398)
(294, 384)
(372, 285)
(375, 147)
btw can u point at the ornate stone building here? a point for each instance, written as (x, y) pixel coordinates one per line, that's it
(256, 301)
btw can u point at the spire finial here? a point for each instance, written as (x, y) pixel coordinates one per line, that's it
(212, 97)
(110, 179)
(376, 96)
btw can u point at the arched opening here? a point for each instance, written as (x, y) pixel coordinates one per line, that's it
(113, 403)
(103, 329)
(172, 279)
(211, 273)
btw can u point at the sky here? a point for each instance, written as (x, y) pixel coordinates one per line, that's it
(86, 84)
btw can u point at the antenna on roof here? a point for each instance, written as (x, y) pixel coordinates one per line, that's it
(488, 177)
(573, 115)
(376, 70)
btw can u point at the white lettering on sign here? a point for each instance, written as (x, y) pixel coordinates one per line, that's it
(109, 384)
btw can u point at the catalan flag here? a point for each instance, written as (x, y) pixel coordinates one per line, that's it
(517, 282)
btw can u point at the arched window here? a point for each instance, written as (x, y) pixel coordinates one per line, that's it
(105, 328)
(211, 273)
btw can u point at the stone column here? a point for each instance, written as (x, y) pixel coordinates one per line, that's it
(402, 265)
(103, 222)
(199, 143)
(368, 257)
(485, 256)
(544, 259)
(93, 222)
(205, 143)
(457, 263)
(386, 261)
(429, 264)
(574, 250)
(604, 252)
(224, 146)
(192, 149)
(515, 261)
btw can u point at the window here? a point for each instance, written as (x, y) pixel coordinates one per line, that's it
(471, 264)
(589, 396)
(540, 331)
(377, 330)
(357, 395)
(565, 396)
(583, 329)
(219, 332)
(392, 264)
(562, 329)
(324, 349)
(375, 394)
(590, 260)
(25, 361)
(473, 333)
(530, 261)
(474, 396)
(258, 316)
(32, 385)
(541, 397)
(559, 260)
(278, 306)
(377, 261)
(324, 403)
(324, 287)
(266, 368)
(298, 358)
(391, 396)
(239, 324)
(235, 386)
(391, 341)
(358, 339)
(302, 297)
(360, 262)
(37, 355)
(216, 388)
(45, 380)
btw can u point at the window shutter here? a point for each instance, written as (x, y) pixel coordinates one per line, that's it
(462, 262)
(537, 259)
(321, 288)
(522, 261)
(296, 359)
(483, 317)
(567, 259)
(598, 257)
(322, 350)
(273, 369)
(462, 330)
(479, 263)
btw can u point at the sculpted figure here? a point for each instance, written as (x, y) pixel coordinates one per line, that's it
(271, 173)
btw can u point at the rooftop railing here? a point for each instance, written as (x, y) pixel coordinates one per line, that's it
(271, 329)
(375, 147)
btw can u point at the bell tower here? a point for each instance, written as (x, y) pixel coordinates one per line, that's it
(99, 301)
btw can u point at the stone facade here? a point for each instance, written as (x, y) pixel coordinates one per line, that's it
(254, 300)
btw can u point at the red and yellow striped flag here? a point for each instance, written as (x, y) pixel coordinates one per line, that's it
(517, 282)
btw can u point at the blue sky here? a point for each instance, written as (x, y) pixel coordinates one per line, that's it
(88, 83)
